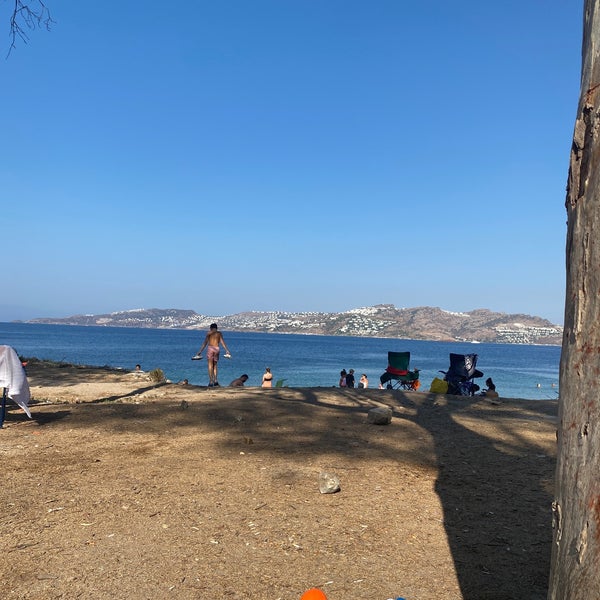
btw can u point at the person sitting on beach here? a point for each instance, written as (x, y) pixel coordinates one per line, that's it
(490, 392)
(267, 378)
(211, 342)
(363, 382)
(240, 381)
(137, 372)
(343, 378)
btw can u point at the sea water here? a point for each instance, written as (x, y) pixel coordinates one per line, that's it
(519, 371)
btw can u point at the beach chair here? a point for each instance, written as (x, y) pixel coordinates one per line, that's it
(461, 373)
(397, 375)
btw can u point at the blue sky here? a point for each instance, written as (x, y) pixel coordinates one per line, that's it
(288, 155)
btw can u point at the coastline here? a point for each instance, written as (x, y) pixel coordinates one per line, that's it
(64, 382)
(202, 328)
(304, 361)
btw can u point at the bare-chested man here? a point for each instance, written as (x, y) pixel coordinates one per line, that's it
(211, 343)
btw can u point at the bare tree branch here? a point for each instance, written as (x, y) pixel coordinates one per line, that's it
(27, 15)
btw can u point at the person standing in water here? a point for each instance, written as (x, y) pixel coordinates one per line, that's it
(213, 339)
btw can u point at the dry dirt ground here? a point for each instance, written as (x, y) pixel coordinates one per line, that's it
(121, 488)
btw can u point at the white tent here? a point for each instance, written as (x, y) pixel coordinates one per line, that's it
(13, 380)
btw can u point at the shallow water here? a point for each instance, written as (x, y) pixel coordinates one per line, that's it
(519, 371)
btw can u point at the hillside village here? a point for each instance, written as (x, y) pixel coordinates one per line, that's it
(383, 320)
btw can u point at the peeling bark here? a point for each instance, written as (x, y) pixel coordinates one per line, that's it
(575, 571)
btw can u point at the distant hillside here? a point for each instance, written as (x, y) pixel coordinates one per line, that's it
(383, 320)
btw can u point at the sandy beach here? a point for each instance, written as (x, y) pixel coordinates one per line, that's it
(123, 488)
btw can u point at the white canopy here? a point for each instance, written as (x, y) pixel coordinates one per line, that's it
(13, 378)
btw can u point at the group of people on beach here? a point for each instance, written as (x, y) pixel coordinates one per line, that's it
(267, 379)
(213, 342)
(347, 379)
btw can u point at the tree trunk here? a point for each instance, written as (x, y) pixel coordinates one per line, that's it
(575, 571)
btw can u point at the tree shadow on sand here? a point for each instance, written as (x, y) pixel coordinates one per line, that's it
(495, 495)
(497, 520)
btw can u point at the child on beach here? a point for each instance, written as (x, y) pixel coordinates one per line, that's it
(490, 392)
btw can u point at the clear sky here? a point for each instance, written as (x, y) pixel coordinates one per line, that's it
(293, 155)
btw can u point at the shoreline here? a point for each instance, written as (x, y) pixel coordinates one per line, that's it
(302, 360)
(108, 376)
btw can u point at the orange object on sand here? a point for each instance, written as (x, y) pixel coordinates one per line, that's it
(313, 594)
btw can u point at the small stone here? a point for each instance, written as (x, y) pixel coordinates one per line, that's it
(329, 483)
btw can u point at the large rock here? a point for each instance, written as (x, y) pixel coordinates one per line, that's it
(381, 415)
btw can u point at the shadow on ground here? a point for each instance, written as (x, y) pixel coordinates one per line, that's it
(495, 495)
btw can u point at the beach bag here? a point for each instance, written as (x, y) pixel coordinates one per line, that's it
(439, 386)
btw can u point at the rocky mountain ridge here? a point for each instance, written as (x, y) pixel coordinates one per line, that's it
(383, 320)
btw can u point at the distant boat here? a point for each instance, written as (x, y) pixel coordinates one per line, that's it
(475, 342)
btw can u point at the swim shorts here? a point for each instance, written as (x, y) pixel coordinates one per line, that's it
(212, 353)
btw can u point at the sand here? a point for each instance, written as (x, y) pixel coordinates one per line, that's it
(123, 488)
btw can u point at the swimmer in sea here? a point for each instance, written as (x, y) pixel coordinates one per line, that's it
(211, 342)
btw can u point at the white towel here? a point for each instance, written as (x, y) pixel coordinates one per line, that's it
(12, 377)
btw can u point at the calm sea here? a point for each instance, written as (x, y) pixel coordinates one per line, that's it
(519, 371)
